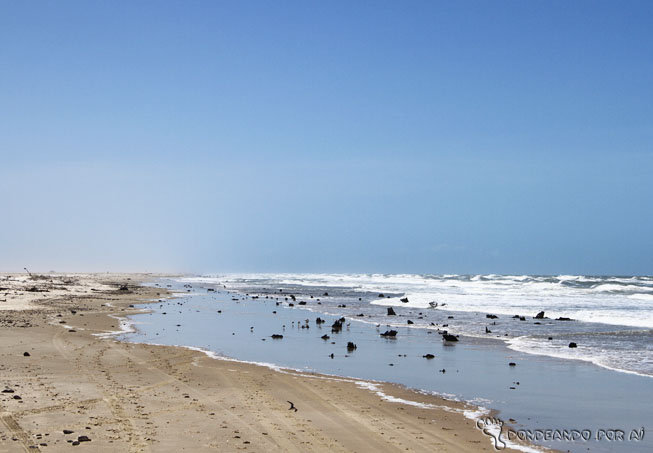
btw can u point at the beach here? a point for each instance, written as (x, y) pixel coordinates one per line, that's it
(333, 324)
(68, 381)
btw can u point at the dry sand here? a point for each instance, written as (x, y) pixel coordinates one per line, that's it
(131, 397)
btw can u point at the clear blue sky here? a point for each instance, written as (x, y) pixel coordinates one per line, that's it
(353, 136)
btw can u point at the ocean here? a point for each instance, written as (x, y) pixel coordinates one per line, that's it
(612, 317)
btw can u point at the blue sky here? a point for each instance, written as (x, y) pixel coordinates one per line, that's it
(435, 137)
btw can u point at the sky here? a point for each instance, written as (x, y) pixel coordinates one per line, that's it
(465, 137)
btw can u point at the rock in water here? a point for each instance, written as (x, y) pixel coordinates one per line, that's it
(351, 346)
(337, 325)
(391, 312)
(404, 300)
(573, 345)
(449, 337)
(389, 333)
(277, 336)
(429, 356)
(540, 315)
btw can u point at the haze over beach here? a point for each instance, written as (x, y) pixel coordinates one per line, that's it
(421, 225)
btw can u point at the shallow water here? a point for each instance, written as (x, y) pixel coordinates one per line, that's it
(613, 316)
(551, 393)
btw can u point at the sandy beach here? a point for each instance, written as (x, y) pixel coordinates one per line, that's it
(63, 384)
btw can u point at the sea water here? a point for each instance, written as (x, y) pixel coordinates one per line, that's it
(612, 316)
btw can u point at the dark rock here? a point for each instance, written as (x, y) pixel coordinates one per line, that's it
(319, 320)
(487, 330)
(391, 311)
(563, 319)
(491, 316)
(540, 315)
(16, 397)
(512, 364)
(337, 325)
(325, 294)
(68, 431)
(573, 345)
(302, 303)
(277, 336)
(124, 288)
(448, 337)
(404, 300)
(351, 346)
(389, 333)
(325, 337)
(381, 295)
(26, 354)
(7, 391)
(83, 439)
(410, 322)
(429, 356)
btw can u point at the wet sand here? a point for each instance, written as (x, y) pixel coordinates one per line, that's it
(136, 397)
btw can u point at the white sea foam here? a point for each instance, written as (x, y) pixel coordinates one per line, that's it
(125, 325)
(593, 299)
